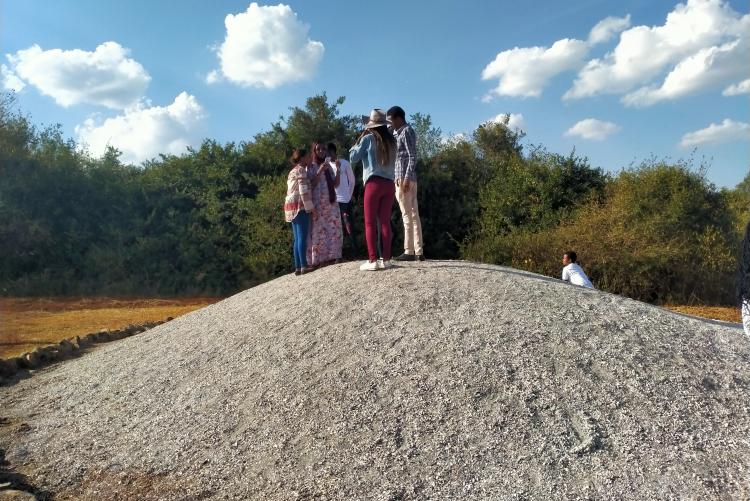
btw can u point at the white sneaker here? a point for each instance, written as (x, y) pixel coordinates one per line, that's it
(369, 266)
(384, 265)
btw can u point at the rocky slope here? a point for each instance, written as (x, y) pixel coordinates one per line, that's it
(434, 380)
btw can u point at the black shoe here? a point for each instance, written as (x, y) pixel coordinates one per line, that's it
(405, 257)
(420, 257)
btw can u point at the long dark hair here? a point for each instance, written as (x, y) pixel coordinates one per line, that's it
(743, 278)
(385, 144)
(297, 155)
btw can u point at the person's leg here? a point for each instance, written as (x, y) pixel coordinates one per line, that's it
(403, 204)
(371, 215)
(348, 227)
(303, 225)
(385, 207)
(416, 223)
(746, 316)
(295, 244)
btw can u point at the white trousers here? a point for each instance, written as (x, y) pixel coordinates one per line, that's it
(407, 202)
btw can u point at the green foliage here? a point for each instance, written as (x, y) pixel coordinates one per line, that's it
(528, 194)
(658, 233)
(210, 221)
(429, 138)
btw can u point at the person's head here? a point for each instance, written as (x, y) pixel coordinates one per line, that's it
(384, 142)
(300, 157)
(396, 117)
(319, 152)
(332, 151)
(569, 257)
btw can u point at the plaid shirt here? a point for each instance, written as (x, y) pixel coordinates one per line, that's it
(406, 153)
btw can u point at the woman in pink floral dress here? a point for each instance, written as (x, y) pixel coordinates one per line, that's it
(326, 238)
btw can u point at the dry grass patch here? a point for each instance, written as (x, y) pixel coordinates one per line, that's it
(26, 323)
(725, 313)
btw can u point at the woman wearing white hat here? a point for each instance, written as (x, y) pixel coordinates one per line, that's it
(377, 150)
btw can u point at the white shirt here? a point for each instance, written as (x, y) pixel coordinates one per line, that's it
(575, 275)
(346, 183)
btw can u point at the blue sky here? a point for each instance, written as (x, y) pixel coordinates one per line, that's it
(655, 78)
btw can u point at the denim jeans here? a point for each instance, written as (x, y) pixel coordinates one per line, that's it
(300, 227)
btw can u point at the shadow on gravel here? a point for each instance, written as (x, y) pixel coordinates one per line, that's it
(15, 378)
(16, 480)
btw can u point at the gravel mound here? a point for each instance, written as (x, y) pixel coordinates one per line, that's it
(434, 380)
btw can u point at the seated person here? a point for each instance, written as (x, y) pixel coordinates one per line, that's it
(572, 272)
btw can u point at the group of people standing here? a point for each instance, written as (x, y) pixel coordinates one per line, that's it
(320, 188)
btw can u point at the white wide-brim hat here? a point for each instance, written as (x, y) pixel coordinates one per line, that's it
(377, 118)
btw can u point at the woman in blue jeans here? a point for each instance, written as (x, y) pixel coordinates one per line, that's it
(298, 207)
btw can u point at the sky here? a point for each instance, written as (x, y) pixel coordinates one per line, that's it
(620, 82)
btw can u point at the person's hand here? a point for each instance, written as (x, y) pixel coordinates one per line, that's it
(405, 185)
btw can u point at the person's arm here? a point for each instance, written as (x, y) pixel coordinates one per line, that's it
(352, 181)
(337, 177)
(357, 151)
(306, 193)
(565, 275)
(410, 142)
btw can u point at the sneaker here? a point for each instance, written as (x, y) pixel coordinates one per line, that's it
(298, 271)
(384, 265)
(307, 269)
(420, 257)
(370, 266)
(405, 257)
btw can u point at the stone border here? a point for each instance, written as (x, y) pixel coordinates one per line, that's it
(67, 348)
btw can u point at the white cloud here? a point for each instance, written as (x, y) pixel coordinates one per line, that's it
(105, 77)
(706, 69)
(645, 53)
(515, 120)
(142, 133)
(608, 28)
(10, 80)
(725, 132)
(266, 46)
(592, 129)
(213, 77)
(738, 88)
(525, 71)
(454, 139)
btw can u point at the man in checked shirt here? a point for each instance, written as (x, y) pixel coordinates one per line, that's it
(406, 184)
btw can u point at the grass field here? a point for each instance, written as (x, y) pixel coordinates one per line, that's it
(26, 323)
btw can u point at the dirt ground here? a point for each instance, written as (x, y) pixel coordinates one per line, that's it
(26, 323)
